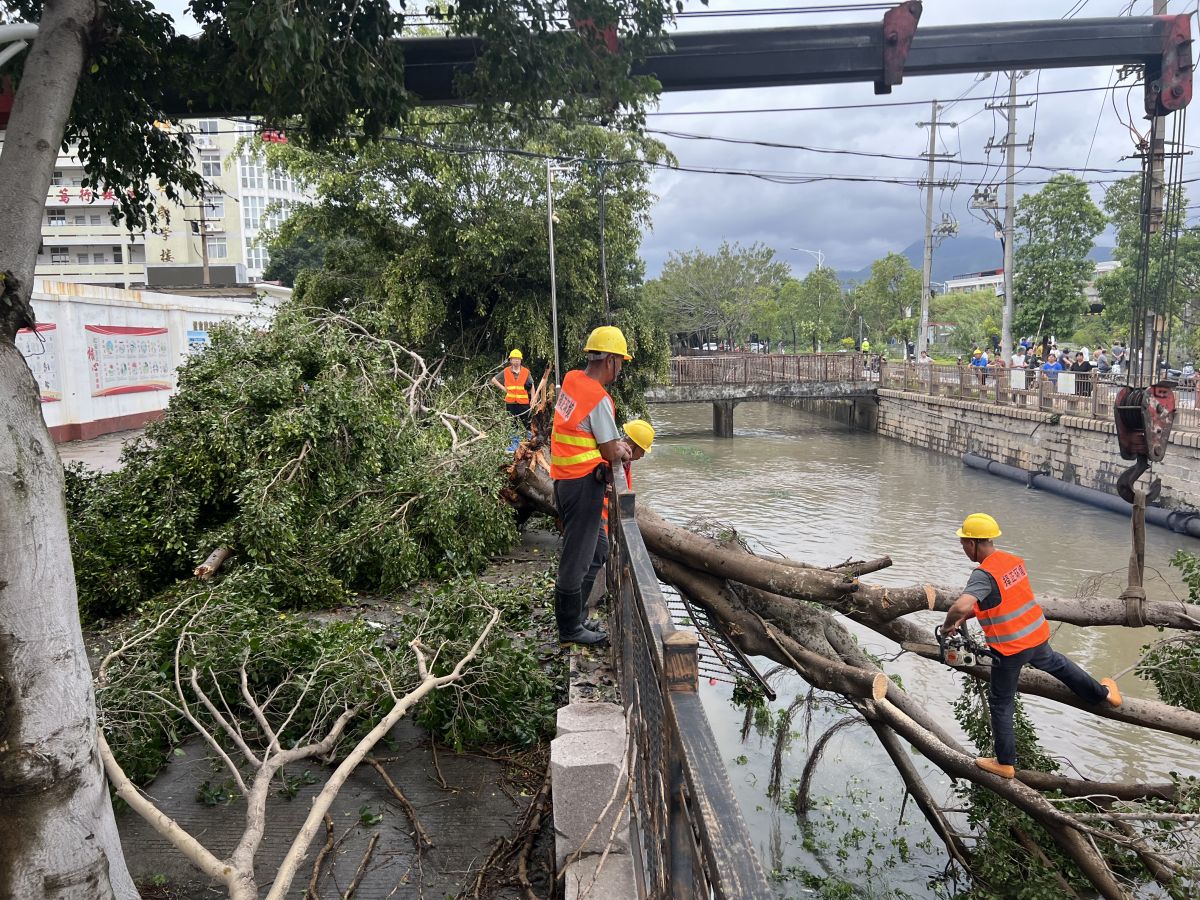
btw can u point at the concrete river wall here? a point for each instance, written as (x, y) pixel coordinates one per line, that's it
(1074, 449)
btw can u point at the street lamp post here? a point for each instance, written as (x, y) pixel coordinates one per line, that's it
(553, 285)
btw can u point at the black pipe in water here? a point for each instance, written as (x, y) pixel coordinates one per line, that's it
(1181, 521)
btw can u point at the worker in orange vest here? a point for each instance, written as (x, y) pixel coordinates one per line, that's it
(517, 387)
(584, 446)
(998, 594)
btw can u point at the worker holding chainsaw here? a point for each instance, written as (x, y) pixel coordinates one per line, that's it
(999, 595)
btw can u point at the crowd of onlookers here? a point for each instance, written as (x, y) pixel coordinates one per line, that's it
(1048, 360)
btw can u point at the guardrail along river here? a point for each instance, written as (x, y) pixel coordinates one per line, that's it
(814, 491)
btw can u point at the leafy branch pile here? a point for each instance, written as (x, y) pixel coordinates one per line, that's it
(1173, 664)
(328, 459)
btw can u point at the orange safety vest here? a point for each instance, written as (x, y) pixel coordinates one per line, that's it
(1016, 623)
(574, 452)
(514, 385)
(604, 512)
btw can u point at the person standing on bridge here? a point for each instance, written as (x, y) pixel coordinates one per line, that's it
(999, 595)
(584, 446)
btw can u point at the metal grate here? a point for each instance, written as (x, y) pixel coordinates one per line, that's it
(720, 660)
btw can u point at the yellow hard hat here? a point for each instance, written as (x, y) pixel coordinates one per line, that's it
(640, 432)
(979, 527)
(607, 339)
(515, 354)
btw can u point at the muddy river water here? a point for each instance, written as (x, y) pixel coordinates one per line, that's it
(814, 490)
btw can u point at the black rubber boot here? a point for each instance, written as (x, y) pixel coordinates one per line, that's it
(568, 612)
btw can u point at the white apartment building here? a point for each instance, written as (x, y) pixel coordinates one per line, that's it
(81, 244)
(993, 279)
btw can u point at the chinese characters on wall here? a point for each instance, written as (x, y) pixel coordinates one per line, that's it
(123, 360)
(39, 346)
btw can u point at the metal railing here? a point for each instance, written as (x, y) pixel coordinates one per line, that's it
(687, 834)
(761, 368)
(1089, 395)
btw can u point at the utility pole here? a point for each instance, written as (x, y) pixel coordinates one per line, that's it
(204, 244)
(985, 200)
(946, 228)
(553, 286)
(1010, 202)
(1152, 222)
(603, 255)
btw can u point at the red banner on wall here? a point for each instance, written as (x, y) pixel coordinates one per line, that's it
(125, 360)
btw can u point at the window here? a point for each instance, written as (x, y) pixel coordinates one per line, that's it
(57, 178)
(252, 172)
(252, 210)
(217, 248)
(81, 220)
(77, 182)
(214, 207)
(56, 218)
(210, 164)
(278, 180)
(99, 258)
(95, 220)
(209, 126)
(60, 256)
(257, 257)
(118, 254)
(82, 258)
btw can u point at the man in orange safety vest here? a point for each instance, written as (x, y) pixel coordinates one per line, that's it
(999, 596)
(584, 446)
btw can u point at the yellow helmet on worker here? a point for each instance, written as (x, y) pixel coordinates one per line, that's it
(607, 339)
(979, 527)
(514, 353)
(640, 432)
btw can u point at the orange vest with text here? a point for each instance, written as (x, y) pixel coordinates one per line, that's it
(514, 385)
(1016, 623)
(574, 452)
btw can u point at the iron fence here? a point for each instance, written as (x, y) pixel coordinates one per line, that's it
(1086, 394)
(760, 368)
(688, 837)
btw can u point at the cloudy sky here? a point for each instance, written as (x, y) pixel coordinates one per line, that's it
(853, 224)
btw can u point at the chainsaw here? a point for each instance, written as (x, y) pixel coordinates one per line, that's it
(956, 648)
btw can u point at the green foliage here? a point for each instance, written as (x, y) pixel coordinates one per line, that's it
(892, 290)
(297, 448)
(1056, 228)
(719, 295)
(1173, 664)
(507, 697)
(457, 261)
(975, 316)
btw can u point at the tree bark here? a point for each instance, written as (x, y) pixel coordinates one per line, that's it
(58, 836)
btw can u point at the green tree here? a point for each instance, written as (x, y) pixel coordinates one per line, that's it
(886, 298)
(809, 307)
(718, 294)
(1055, 230)
(1171, 283)
(98, 76)
(975, 316)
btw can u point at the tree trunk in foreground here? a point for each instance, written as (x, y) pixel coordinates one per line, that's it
(58, 837)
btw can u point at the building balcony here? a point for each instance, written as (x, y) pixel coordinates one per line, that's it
(89, 235)
(74, 271)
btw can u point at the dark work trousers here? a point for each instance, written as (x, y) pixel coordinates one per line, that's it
(579, 502)
(1002, 694)
(520, 412)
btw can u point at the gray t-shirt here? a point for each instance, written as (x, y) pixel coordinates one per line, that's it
(984, 589)
(601, 422)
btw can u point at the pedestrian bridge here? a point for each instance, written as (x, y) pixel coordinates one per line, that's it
(726, 381)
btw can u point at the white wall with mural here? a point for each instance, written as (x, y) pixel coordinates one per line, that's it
(105, 358)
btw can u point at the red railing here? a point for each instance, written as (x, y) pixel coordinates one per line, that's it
(761, 368)
(1086, 394)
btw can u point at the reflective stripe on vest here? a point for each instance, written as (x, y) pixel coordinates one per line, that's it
(1016, 623)
(574, 452)
(514, 385)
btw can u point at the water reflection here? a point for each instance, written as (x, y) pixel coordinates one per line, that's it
(813, 490)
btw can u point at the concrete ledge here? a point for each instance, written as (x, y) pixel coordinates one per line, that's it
(701, 393)
(614, 881)
(583, 717)
(585, 769)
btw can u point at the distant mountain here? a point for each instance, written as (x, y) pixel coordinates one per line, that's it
(963, 255)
